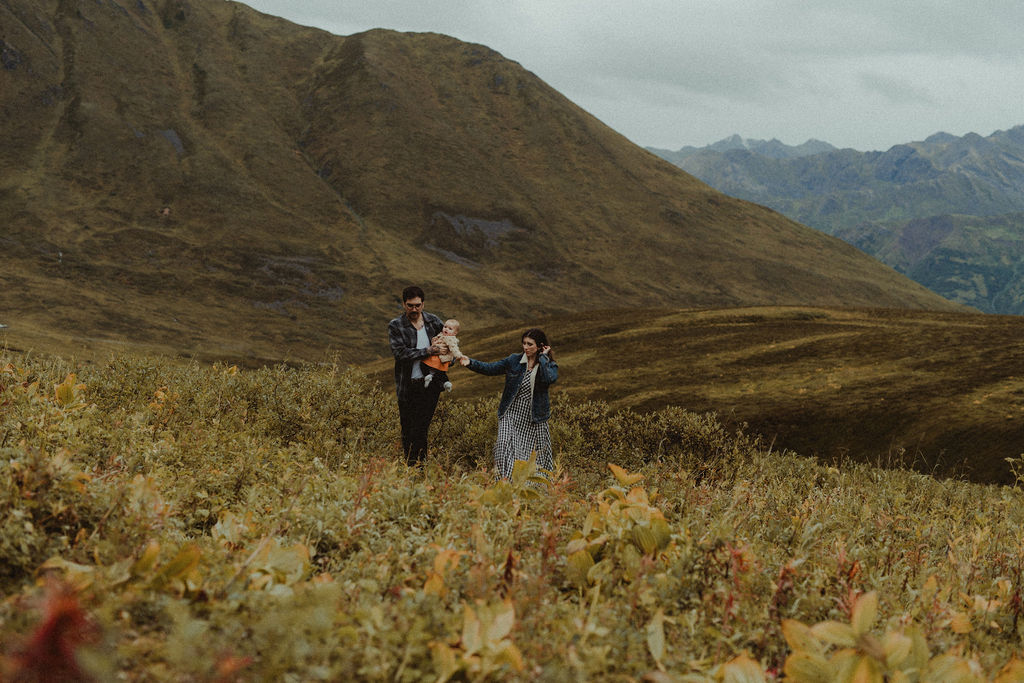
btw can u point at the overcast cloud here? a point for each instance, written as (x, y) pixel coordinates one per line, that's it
(866, 74)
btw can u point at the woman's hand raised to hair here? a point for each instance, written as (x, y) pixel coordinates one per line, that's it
(544, 349)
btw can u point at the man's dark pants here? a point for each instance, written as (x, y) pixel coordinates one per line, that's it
(416, 410)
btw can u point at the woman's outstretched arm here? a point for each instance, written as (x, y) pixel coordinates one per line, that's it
(496, 368)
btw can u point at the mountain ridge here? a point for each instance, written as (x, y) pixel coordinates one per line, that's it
(881, 200)
(202, 178)
(774, 148)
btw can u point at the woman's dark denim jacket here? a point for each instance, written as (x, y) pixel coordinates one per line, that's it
(515, 371)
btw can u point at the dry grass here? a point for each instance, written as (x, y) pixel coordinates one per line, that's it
(943, 393)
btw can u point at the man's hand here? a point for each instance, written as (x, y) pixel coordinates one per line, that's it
(434, 350)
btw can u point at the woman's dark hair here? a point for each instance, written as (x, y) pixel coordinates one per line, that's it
(537, 335)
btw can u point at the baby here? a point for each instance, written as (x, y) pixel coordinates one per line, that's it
(448, 342)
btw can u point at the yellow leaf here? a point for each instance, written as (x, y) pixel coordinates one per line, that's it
(472, 637)
(499, 622)
(184, 562)
(805, 667)
(656, 637)
(960, 623)
(434, 585)
(896, 647)
(919, 652)
(949, 668)
(800, 638)
(522, 470)
(509, 654)
(446, 663)
(147, 560)
(661, 531)
(577, 568)
(614, 492)
(64, 394)
(638, 496)
(835, 633)
(1012, 672)
(865, 610)
(638, 513)
(67, 391)
(80, 576)
(575, 545)
(499, 494)
(866, 671)
(645, 539)
(285, 566)
(593, 521)
(623, 477)
(742, 669)
(983, 604)
(261, 581)
(446, 558)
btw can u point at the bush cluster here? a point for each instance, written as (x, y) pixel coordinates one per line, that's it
(215, 524)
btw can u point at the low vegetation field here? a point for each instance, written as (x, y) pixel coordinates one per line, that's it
(942, 393)
(194, 522)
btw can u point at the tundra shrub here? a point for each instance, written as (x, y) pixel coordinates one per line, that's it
(218, 524)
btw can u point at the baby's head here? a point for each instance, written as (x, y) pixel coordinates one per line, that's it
(451, 327)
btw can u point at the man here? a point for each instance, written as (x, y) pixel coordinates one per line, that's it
(410, 335)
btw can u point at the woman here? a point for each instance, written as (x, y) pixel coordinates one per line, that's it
(524, 408)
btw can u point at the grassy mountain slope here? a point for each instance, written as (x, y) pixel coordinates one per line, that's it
(898, 205)
(939, 392)
(197, 177)
(972, 259)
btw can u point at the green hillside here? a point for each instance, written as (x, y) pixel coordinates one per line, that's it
(976, 260)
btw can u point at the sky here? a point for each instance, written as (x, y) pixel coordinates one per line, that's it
(866, 74)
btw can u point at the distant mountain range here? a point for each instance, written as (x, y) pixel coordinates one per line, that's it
(194, 176)
(773, 149)
(948, 211)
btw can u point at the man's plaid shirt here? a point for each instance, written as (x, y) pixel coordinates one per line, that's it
(402, 337)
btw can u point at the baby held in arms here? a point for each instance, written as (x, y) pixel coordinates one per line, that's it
(448, 342)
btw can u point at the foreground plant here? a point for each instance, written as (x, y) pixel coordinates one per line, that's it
(835, 651)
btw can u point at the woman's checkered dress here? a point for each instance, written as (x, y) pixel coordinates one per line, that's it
(519, 435)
